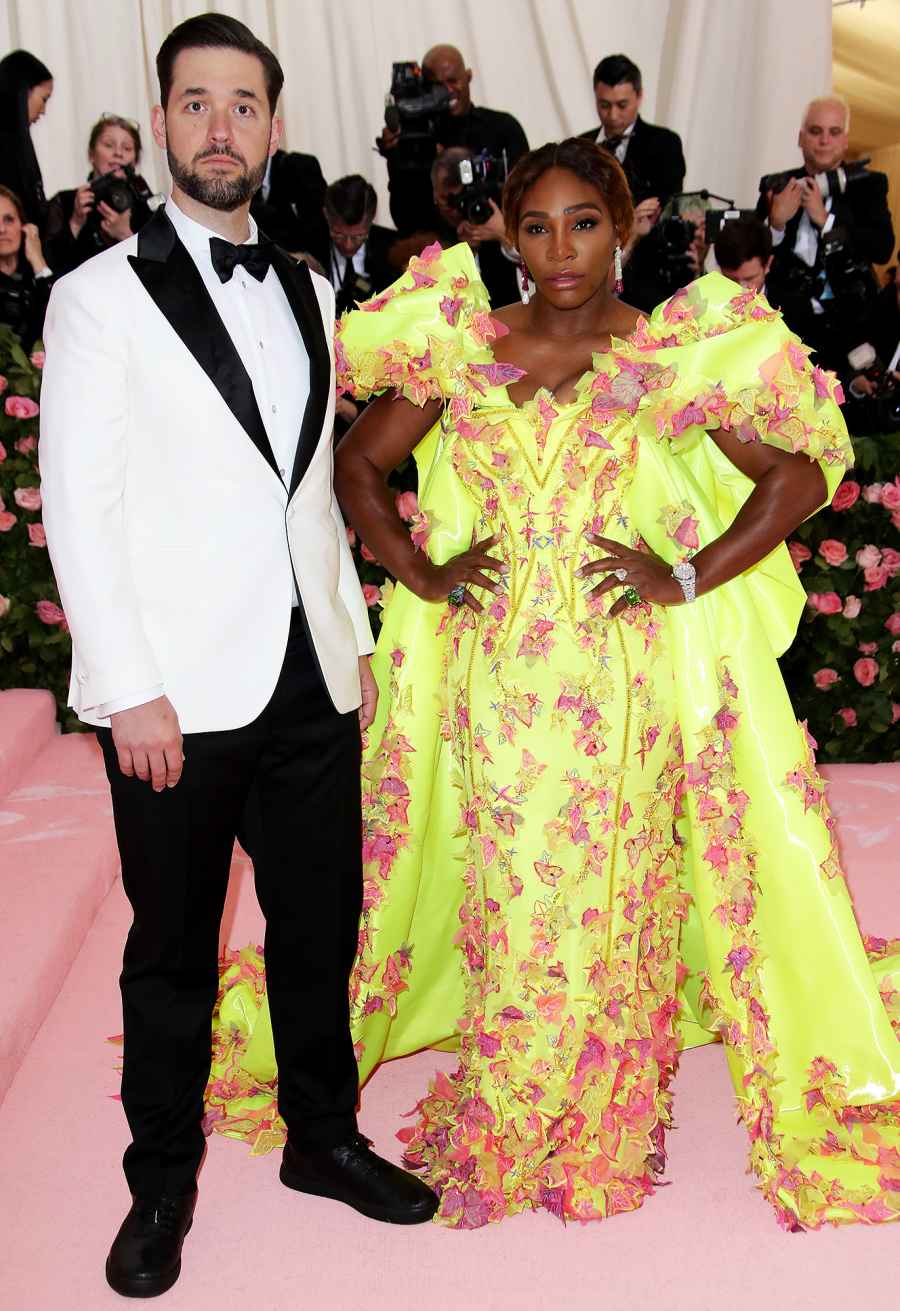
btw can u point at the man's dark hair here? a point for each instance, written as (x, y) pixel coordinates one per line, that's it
(618, 68)
(740, 240)
(216, 31)
(351, 199)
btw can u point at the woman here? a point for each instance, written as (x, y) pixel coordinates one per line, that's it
(78, 225)
(594, 831)
(26, 86)
(25, 276)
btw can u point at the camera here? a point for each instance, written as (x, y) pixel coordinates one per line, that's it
(869, 416)
(832, 183)
(413, 107)
(120, 193)
(715, 220)
(482, 180)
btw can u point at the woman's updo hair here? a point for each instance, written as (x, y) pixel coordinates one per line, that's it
(113, 120)
(587, 161)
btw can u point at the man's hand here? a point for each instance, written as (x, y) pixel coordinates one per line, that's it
(148, 742)
(476, 233)
(645, 215)
(369, 693)
(784, 206)
(813, 202)
(114, 224)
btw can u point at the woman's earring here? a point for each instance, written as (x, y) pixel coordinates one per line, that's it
(619, 285)
(525, 287)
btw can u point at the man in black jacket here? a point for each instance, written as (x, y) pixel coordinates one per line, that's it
(465, 125)
(651, 156)
(288, 205)
(355, 258)
(829, 223)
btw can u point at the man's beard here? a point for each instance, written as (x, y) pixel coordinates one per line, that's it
(223, 193)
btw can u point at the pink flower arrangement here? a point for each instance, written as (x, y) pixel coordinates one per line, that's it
(892, 623)
(366, 553)
(876, 576)
(825, 678)
(38, 359)
(36, 535)
(371, 594)
(846, 495)
(872, 493)
(865, 671)
(2, 452)
(3, 384)
(799, 554)
(868, 556)
(867, 648)
(832, 551)
(890, 494)
(25, 445)
(852, 607)
(826, 603)
(28, 498)
(21, 407)
(848, 715)
(7, 518)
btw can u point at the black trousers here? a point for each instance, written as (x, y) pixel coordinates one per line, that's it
(288, 785)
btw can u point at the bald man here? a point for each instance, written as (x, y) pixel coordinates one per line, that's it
(464, 124)
(823, 227)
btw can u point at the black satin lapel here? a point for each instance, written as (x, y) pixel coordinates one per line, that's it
(174, 284)
(302, 298)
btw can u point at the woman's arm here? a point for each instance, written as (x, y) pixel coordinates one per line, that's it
(380, 439)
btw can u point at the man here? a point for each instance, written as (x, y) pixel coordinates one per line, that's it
(220, 640)
(473, 127)
(288, 204)
(827, 227)
(356, 258)
(743, 251)
(651, 156)
(498, 272)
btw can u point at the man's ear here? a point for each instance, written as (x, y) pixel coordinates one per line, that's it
(158, 125)
(276, 134)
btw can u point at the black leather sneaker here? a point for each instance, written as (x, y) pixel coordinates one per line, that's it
(353, 1174)
(145, 1259)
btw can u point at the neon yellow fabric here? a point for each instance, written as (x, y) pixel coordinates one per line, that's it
(590, 843)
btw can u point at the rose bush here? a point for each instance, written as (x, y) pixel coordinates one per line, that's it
(843, 670)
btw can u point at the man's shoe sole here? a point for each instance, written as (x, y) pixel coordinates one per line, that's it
(302, 1185)
(153, 1286)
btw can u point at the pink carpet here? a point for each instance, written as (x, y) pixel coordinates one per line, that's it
(706, 1240)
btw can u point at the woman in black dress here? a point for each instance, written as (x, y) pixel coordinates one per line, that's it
(25, 87)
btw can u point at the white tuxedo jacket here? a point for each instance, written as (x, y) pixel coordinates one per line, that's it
(174, 540)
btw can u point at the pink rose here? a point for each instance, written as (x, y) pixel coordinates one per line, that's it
(25, 445)
(4, 606)
(832, 551)
(890, 559)
(825, 678)
(3, 384)
(892, 623)
(48, 613)
(372, 594)
(895, 519)
(28, 498)
(890, 494)
(20, 407)
(38, 359)
(36, 535)
(845, 496)
(407, 504)
(826, 603)
(7, 519)
(366, 553)
(895, 711)
(867, 648)
(2, 452)
(848, 716)
(852, 607)
(799, 554)
(872, 493)
(865, 671)
(868, 556)
(876, 576)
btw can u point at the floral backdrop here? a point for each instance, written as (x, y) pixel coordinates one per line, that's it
(843, 671)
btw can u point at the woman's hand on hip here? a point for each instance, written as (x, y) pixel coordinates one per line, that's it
(647, 573)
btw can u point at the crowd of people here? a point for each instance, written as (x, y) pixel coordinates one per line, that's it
(810, 245)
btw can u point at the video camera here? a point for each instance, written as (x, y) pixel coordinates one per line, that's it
(413, 107)
(482, 181)
(832, 183)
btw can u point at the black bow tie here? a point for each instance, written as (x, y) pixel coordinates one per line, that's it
(225, 258)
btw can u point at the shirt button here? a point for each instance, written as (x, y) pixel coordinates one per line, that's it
(281, 471)
(274, 409)
(262, 346)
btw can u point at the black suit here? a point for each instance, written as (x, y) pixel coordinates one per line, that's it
(863, 225)
(654, 161)
(377, 273)
(270, 782)
(291, 215)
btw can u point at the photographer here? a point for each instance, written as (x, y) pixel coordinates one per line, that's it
(356, 260)
(454, 202)
(873, 374)
(288, 205)
(109, 207)
(651, 156)
(743, 251)
(25, 277)
(830, 222)
(453, 121)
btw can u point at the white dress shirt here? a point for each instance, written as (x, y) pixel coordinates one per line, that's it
(265, 334)
(621, 149)
(806, 242)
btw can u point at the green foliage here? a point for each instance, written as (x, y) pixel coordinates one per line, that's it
(863, 520)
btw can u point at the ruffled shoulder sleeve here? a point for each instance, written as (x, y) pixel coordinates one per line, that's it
(715, 356)
(427, 336)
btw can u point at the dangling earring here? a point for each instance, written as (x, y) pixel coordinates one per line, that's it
(619, 285)
(525, 291)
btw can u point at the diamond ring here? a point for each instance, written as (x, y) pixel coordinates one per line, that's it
(621, 574)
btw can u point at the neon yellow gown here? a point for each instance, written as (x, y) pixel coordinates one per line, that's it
(590, 843)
